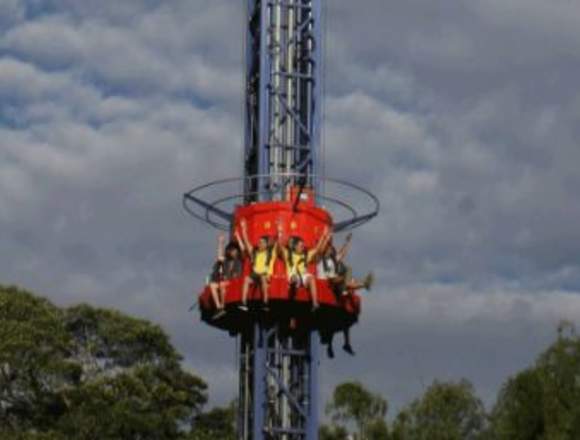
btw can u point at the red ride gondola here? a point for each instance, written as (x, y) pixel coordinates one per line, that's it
(299, 216)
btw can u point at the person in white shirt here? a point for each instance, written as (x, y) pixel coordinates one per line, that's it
(331, 267)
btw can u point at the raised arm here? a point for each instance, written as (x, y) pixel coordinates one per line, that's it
(240, 241)
(220, 247)
(246, 241)
(278, 246)
(341, 254)
(324, 238)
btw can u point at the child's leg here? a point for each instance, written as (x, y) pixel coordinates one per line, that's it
(354, 285)
(264, 282)
(330, 347)
(213, 287)
(311, 284)
(347, 347)
(367, 283)
(247, 283)
(223, 289)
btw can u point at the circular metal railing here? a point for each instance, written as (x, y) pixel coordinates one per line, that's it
(214, 203)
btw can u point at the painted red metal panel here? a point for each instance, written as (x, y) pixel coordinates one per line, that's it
(303, 219)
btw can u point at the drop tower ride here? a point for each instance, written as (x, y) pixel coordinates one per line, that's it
(282, 189)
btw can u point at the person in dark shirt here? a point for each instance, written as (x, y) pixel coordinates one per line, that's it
(227, 267)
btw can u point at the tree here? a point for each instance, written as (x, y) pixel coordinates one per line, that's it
(216, 424)
(89, 373)
(34, 368)
(543, 402)
(447, 411)
(378, 430)
(559, 369)
(353, 403)
(333, 433)
(518, 412)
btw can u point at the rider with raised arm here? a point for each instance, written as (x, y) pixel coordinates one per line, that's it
(262, 259)
(331, 267)
(297, 258)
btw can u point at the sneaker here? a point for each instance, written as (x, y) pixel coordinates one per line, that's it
(315, 307)
(348, 349)
(265, 307)
(217, 315)
(369, 281)
(243, 307)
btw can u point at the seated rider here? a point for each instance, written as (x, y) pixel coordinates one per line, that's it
(227, 267)
(331, 267)
(262, 258)
(297, 258)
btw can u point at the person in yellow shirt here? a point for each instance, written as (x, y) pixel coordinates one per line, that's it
(297, 258)
(262, 258)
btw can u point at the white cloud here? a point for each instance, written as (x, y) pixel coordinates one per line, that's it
(462, 118)
(11, 11)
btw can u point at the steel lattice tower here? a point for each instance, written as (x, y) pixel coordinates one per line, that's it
(279, 369)
(284, 94)
(279, 350)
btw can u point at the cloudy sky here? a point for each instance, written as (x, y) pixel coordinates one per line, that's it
(461, 116)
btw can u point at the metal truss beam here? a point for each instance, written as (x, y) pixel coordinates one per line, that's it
(278, 385)
(283, 95)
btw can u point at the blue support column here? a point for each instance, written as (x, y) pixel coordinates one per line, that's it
(282, 144)
(259, 383)
(317, 97)
(283, 95)
(313, 387)
(264, 102)
(249, 113)
(281, 385)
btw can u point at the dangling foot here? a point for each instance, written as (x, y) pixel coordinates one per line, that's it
(315, 307)
(265, 307)
(330, 351)
(369, 281)
(217, 315)
(243, 307)
(348, 349)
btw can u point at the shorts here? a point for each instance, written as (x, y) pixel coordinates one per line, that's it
(300, 280)
(257, 277)
(216, 278)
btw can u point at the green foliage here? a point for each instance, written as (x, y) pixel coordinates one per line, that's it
(34, 364)
(543, 402)
(377, 430)
(333, 433)
(88, 373)
(559, 369)
(447, 411)
(47, 435)
(353, 403)
(518, 413)
(95, 374)
(217, 424)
